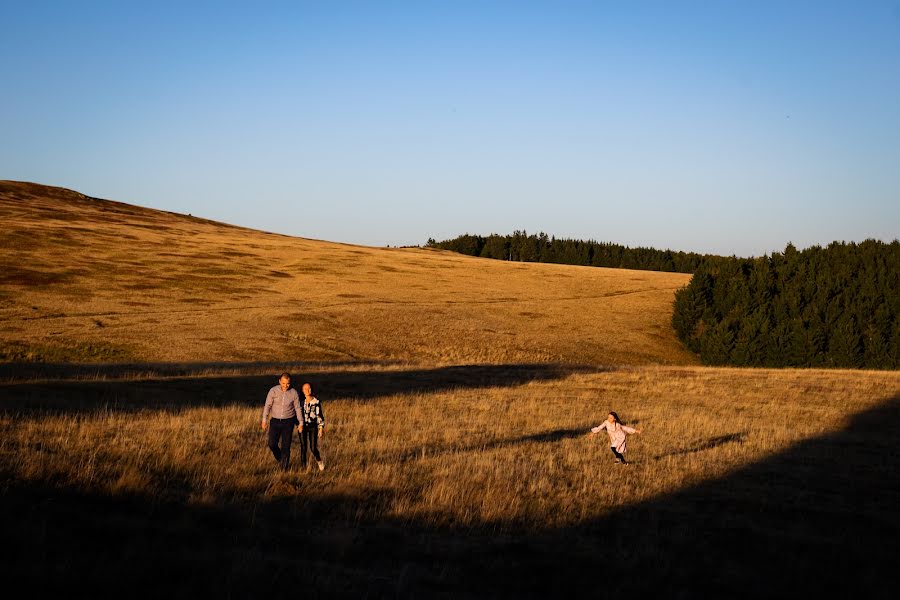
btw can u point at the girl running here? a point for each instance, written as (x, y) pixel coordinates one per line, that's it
(617, 432)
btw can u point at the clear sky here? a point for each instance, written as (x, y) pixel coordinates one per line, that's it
(727, 127)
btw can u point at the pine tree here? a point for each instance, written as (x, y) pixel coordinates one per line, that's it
(845, 344)
(715, 346)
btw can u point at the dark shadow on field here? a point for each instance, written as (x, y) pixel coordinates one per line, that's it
(179, 393)
(820, 519)
(39, 371)
(432, 451)
(713, 442)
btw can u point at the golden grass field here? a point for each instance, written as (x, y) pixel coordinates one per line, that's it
(458, 393)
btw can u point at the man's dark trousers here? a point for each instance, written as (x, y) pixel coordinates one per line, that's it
(282, 429)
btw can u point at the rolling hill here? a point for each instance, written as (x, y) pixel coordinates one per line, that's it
(459, 392)
(90, 280)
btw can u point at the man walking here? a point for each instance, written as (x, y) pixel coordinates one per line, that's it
(283, 406)
(312, 427)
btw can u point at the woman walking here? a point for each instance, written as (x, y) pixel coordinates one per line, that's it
(617, 435)
(312, 427)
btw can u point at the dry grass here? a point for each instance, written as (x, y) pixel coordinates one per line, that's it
(417, 479)
(474, 454)
(458, 462)
(173, 288)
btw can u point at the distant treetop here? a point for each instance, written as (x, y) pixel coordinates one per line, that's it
(520, 246)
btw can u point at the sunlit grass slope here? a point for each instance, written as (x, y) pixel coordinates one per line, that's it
(83, 279)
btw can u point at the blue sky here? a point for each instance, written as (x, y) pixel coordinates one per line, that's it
(726, 127)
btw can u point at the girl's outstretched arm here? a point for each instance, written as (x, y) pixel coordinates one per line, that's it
(628, 429)
(597, 429)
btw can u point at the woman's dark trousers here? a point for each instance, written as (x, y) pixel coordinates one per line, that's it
(309, 438)
(281, 429)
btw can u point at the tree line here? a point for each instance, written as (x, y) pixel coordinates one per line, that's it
(837, 306)
(520, 246)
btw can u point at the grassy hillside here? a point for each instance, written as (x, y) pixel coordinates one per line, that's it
(458, 393)
(83, 279)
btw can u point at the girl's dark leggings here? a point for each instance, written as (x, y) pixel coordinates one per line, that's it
(618, 454)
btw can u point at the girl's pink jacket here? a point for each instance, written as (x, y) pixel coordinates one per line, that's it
(616, 433)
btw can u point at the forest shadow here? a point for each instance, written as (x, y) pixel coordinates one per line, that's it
(179, 393)
(24, 372)
(819, 518)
